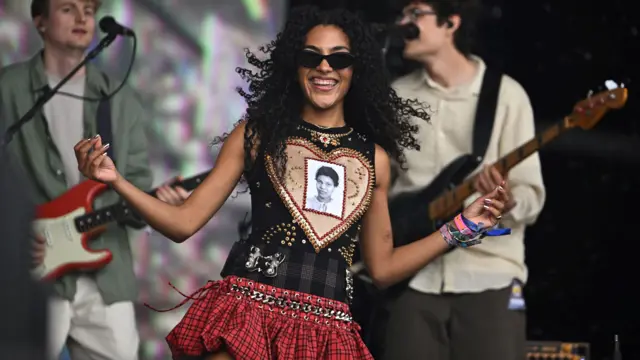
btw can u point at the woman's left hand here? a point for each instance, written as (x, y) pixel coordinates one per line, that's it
(488, 209)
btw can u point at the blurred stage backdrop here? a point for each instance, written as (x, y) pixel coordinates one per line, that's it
(582, 285)
(185, 71)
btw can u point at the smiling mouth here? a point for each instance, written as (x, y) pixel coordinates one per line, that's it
(323, 84)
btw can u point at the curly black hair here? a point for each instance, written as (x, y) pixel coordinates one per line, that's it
(275, 99)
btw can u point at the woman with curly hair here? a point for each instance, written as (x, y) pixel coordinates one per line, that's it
(323, 122)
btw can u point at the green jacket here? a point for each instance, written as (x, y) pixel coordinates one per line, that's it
(34, 150)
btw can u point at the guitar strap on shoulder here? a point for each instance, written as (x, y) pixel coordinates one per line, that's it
(104, 125)
(486, 112)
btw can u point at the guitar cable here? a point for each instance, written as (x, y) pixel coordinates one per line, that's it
(124, 80)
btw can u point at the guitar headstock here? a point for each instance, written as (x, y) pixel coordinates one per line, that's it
(586, 113)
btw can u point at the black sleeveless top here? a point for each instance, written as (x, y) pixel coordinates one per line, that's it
(305, 226)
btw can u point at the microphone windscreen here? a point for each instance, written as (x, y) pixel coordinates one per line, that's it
(108, 24)
(411, 31)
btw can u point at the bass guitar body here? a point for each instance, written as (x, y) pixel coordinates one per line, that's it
(409, 212)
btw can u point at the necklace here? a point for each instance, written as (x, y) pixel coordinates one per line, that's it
(327, 139)
(323, 127)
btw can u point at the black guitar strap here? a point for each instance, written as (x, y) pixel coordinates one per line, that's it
(104, 126)
(486, 112)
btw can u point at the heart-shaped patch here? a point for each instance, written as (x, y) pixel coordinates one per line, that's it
(325, 192)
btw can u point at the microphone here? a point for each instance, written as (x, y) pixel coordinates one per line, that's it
(109, 25)
(408, 31)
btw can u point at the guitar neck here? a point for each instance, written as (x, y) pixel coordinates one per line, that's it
(452, 199)
(121, 211)
(586, 113)
(188, 184)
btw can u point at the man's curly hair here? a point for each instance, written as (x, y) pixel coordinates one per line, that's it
(275, 99)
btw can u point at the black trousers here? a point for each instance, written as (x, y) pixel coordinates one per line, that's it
(477, 326)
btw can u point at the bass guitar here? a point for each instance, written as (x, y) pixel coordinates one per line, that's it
(415, 215)
(443, 205)
(69, 222)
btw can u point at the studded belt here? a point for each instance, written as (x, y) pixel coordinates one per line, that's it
(283, 303)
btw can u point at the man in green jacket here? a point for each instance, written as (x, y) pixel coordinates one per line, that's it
(94, 310)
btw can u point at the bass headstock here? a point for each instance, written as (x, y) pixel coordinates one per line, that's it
(588, 112)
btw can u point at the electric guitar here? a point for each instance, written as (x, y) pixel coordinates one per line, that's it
(443, 205)
(444, 199)
(417, 214)
(69, 222)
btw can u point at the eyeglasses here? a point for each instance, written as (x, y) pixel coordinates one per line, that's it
(414, 14)
(338, 61)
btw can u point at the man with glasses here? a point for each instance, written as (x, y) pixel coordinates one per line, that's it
(467, 304)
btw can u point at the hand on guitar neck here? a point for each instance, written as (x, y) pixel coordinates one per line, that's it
(64, 226)
(104, 170)
(94, 163)
(176, 222)
(488, 179)
(174, 195)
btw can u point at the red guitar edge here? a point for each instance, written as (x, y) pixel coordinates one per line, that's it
(82, 196)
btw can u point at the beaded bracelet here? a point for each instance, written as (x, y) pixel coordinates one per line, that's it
(462, 232)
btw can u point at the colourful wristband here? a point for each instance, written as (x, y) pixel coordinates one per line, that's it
(462, 227)
(462, 232)
(479, 228)
(456, 238)
(444, 231)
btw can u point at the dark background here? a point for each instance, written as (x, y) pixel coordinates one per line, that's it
(583, 251)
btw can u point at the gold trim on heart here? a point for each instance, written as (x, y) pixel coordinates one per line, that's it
(356, 181)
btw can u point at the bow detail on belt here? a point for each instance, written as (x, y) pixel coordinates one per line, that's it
(266, 265)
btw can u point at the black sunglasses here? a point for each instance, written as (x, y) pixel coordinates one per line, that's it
(338, 61)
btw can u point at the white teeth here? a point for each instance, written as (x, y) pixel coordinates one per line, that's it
(324, 82)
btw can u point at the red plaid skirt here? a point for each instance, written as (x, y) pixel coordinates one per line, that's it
(225, 319)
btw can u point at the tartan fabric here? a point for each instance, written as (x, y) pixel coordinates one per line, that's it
(308, 272)
(248, 329)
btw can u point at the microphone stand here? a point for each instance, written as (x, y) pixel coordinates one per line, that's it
(49, 93)
(617, 355)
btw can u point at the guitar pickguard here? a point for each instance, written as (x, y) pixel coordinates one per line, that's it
(65, 246)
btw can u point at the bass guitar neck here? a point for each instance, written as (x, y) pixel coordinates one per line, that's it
(586, 114)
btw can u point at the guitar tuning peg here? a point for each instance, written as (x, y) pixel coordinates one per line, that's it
(610, 84)
(589, 94)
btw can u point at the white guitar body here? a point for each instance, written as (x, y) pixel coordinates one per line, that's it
(68, 222)
(66, 247)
